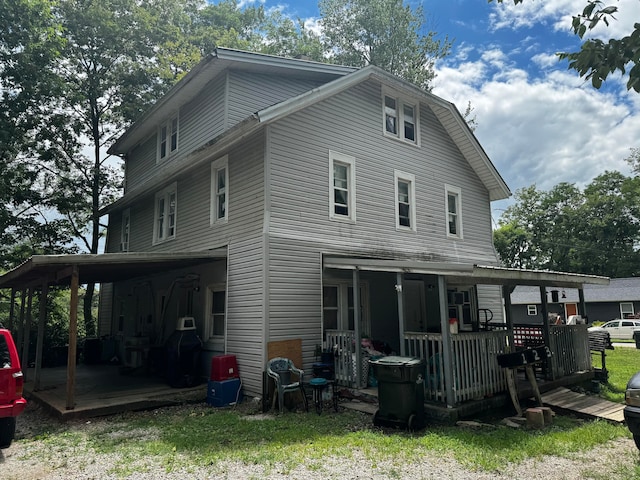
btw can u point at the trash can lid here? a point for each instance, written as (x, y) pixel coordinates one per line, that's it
(396, 360)
(318, 381)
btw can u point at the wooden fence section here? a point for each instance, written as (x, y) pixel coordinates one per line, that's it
(570, 349)
(343, 344)
(476, 372)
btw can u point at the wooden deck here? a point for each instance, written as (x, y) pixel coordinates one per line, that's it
(586, 405)
(104, 390)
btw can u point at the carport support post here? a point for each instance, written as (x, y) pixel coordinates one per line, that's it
(41, 323)
(582, 306)
(73, 337)
(12, 309)
(506, 294)
(356, 326)
(23, 294)
(447, 342)
(400, 312)
(27, 329)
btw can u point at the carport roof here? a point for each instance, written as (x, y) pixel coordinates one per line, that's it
(467, 272)
(106, 267)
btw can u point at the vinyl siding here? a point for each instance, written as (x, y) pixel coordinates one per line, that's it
(300, 183)
(250, 92)
(490, 296)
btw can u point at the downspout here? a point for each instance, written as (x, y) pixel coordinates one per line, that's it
(356, 325)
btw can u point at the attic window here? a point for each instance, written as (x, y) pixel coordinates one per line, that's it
(167, 138)
(400, 119)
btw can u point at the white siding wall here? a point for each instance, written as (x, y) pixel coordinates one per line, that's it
(300, 183)
(490, 296)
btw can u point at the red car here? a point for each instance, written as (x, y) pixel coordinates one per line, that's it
(11, 384)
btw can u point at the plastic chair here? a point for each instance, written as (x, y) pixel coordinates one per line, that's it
(280, 370)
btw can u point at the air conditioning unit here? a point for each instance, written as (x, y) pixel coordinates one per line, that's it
(186, 323)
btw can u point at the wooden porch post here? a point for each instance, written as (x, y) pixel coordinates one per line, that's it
(506, 294)
(73, 337)
(447, 342)
(546, 330)
(41, 323)
(12, 309)
(23, 294)
(582, 305)
(356, 325)
(399, 277)
(27, 329)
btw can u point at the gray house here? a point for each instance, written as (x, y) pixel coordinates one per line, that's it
(619, 299)
(288, 205)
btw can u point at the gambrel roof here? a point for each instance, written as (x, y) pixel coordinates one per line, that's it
(339, 79)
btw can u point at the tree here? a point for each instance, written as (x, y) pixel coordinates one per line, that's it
(597, 58)
(385, 33)
(595, 231)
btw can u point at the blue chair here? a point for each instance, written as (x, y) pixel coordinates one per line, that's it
(280, 370)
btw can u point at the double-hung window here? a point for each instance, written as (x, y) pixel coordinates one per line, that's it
(400, 118)
(167, 138)
(165, 214)
(626, 310)
(342, 186)
(453, 200)
(219, 190)
(405, 200)
(124, 233)
(532, 310)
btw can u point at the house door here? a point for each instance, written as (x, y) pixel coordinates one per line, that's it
(415, 316)
(570, 309)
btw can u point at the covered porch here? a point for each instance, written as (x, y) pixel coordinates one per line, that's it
(460, 346)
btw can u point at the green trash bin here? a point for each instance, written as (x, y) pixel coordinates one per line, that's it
(400, 391)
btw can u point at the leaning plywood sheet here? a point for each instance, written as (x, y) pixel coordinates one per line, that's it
(291, 349)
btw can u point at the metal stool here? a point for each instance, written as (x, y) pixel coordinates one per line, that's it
(318, 385)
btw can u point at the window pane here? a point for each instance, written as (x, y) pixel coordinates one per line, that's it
(452, 203)
(222, 177)
(403, 192)
(390, 102)
(403, 215)
(222, 205)
(390, 115)
(409, 123)
(174, 134)
(217, 305)
(453, 228)
(330, 297)
(340, 178)
(330, 320)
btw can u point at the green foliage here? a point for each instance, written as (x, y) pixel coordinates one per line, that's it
(594, 231)
(597, 59)
(201, 437)
(386, 33)
(622, 364)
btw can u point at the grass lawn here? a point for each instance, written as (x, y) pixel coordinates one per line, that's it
(622, 363)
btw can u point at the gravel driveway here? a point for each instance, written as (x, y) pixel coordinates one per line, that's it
(24, 460)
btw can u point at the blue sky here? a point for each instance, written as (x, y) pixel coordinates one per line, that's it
(539, 123)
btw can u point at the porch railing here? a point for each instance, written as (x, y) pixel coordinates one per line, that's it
(570, 349)
(343, 342)
(569, 345)
(476, 372)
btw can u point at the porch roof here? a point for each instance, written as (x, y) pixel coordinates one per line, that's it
(105, 267)
(467, 272)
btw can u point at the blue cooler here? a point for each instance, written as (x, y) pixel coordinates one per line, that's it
(223, 393)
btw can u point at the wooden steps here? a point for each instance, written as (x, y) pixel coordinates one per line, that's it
(587, 405)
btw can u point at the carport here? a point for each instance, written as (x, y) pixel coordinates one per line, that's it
(40, 272)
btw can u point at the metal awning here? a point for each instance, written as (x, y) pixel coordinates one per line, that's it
(98, 268)
(466, 272)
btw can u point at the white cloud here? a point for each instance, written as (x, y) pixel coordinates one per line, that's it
(544, 130)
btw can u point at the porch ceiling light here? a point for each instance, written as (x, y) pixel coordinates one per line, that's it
(398, 288)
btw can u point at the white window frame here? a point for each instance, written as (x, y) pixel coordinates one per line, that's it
(532, 310)
(168, 230)
(624, 311)
(399, 115)
(125, 230)
(343, 308)
(451, 190)
(336, 158)
(410, 179)
(208, 327)
(216, 167)
(172, 128)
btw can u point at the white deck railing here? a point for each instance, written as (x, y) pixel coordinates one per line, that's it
(476, 373)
